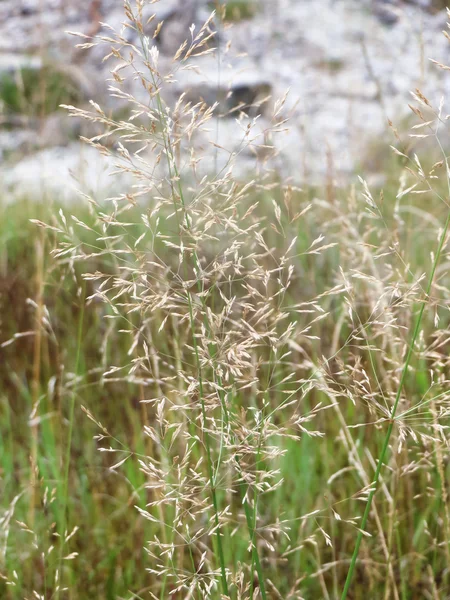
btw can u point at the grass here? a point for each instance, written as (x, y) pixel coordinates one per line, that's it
(212, 388)
(18, 284)
(99, 499)
(36, 92)
(393, 414)
(235, 10)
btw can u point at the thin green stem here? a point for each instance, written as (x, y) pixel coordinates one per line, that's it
(65, 496)
(384, 450)
(249, 516)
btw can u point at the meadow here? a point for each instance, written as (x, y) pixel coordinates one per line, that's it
(216, 388)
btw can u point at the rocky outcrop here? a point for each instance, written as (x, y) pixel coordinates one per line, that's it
(349, 65)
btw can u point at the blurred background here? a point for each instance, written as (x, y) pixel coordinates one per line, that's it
(349, 66)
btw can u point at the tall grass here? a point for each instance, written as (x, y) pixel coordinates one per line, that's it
(254, 363)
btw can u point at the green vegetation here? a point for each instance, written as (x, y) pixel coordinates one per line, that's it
(35, 375)
(217, 389)
(36, 379)
(235, 10)
(35, 92)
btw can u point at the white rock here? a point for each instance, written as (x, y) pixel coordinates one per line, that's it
(347, 72)
(58, 173)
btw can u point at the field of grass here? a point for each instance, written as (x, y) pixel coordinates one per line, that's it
(218, 389)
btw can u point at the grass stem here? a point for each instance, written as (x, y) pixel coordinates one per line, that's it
(65, 496)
